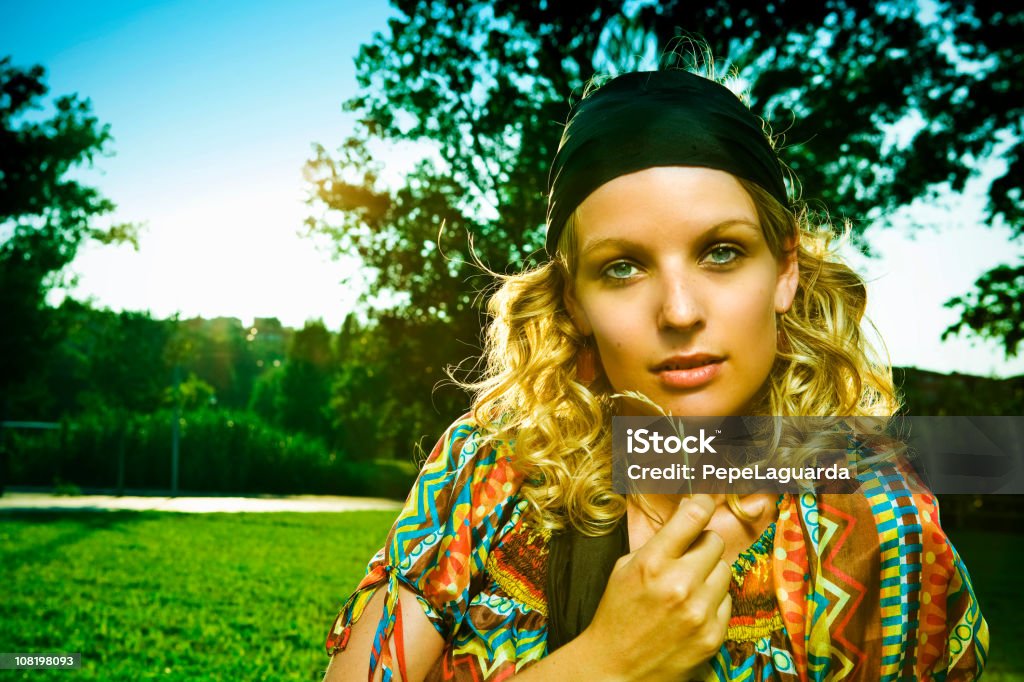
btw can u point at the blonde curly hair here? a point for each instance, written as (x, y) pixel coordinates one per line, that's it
(529, 393)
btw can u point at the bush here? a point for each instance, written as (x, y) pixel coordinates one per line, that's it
(219, 451)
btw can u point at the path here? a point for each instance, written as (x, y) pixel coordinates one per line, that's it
(14, 501)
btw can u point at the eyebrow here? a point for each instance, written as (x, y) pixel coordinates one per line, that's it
(710, 232)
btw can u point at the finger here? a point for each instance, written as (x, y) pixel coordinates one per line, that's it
(708, 542)
(724, 612)
(685, 526)
(701, 556)
(754, 507)
(710, 585)
(720, 578)
(627, 558)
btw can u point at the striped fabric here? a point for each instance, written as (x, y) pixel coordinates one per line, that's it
(861, 586)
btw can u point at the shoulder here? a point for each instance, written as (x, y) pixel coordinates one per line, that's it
(466, 489)
(438, 546)
(886, 525)
(887, 496)
(470, 460)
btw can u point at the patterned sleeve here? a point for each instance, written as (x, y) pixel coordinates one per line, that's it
(870, 588)
(438, 545)
(953, 635)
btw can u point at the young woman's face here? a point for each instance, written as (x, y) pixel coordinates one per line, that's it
(679, 288)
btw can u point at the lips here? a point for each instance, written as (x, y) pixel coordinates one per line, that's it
(688, 371)
(692, 361)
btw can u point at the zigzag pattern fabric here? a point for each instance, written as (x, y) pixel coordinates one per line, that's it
(862, 586)
(870, 587)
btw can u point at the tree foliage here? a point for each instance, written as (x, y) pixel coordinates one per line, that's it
(388, 392)
(104, 360)
(45, 215)
(875, 105)
(305, 383)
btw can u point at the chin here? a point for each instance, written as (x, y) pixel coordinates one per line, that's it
(695, 407)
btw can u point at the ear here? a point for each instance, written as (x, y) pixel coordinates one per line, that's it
(572, 305)
(789, 277)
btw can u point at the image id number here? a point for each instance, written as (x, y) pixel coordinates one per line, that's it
(47, 661)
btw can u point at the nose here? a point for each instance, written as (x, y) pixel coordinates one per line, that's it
(681, 305)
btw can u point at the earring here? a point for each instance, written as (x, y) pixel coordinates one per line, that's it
(586, 364)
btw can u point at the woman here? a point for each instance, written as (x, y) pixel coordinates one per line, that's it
(681, 280)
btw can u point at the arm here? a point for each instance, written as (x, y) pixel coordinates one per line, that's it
(676, 583)
(582, 658)
(422, 643)
(433, 553)
(579, 659)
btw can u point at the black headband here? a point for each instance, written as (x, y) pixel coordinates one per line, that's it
(656, 118)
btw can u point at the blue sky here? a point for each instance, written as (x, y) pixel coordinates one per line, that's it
(214, 106)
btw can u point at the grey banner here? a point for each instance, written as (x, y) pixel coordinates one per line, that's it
(744, 455)
(37, 661)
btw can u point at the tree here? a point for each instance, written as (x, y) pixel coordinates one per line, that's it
(44, 215)
(389, 392)
(218, 352)
(486, 84)
(305, 383)
(105, 360)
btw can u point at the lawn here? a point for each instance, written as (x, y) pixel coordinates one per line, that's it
(250, 596)
(180, 596)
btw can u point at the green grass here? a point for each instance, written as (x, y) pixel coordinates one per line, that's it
(250, 596)
(180, 597)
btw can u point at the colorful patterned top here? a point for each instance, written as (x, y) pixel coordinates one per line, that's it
(840, 587)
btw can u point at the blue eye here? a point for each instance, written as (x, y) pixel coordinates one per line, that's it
(722, 255)
(620, 270)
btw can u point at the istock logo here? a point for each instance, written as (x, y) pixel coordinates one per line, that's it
(653, 442)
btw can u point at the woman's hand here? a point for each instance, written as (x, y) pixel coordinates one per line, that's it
(666, 608)
(664, 613)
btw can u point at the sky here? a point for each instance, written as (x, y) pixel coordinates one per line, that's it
(214, 106)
